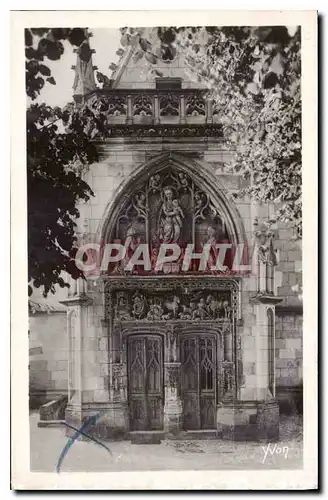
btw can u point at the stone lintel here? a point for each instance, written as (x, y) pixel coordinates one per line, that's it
(265, 298)
(81, 299)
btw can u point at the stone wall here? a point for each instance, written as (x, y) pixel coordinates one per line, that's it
(119, 158)
(289, 319)
(48, 356)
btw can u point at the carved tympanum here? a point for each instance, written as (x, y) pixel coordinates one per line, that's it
(169, 208)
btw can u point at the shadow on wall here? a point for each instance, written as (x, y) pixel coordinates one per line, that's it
(290, 400)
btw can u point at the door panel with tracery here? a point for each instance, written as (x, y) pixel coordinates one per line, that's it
(198, 365)
(145, 381)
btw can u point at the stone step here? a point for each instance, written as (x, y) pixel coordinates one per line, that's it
(51, 423)
(201, 434)
(146, 437)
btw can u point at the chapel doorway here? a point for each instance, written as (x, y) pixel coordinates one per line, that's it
(198, 378)
(145, 382)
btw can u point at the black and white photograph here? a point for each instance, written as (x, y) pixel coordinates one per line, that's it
(164, 177)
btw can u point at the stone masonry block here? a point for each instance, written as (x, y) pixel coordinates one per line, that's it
(248, 342)
(248, 355)
(97, 211)
(103, 344)
(103, 357)
(99, 170)
(62, 365)
(286, 234)
(250, 380)
(59, 375)
(288, 321)
(282, 362)
(90, 344)
(104, 369)
(101, 396)
(52, 365)
(249, 368)
(280, 343)
(103, 184)
(286, 353)
(293, 343)
(295, 256)
(287, 266)
(92, 383)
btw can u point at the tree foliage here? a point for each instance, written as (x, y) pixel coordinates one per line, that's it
(253, 75)
(58, 146)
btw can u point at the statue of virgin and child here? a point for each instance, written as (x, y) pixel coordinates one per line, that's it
(171, 217)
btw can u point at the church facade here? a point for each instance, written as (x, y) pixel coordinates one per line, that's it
(171, 348)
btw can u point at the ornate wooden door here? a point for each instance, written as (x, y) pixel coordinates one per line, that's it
(145, 382)
(198, 365)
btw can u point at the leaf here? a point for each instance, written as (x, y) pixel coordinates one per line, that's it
(51, 80)
(28, 37)
(125, 40)
(77, 36)
(270, 80)
(144, 44)
(151, 58)
(44, 70)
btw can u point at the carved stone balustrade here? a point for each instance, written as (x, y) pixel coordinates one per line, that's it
(181, 110)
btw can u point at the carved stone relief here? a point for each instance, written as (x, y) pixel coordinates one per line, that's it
(142, 105)
(195, 105)
(169, 208)
(264, 238)
(196, 306)
(169, 105)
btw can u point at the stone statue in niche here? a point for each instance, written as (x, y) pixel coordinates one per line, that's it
(186, 313)
(155, 313)
(154, 183)
(173, 308)
(139, 306)
(140, 203)
(200, 313)
(170, 218)
(212, 306)
(183, 180)
(210, 239)
(265, 239)
(132, 241)
(122, 307)
(199, 201)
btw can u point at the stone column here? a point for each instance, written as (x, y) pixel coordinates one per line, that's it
(129, 116)
(182, 109)
(254, 413)
(76, 323)
(172, 384)
(156, 110)
(209, 111)
(173, 405)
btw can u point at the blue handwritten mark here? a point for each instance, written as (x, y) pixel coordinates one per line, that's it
(89, 421)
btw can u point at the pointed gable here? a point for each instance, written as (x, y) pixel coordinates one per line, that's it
(133, 72)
